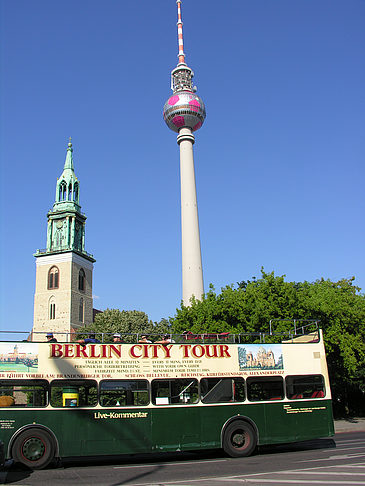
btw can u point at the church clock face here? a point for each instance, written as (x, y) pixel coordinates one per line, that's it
(59, 233)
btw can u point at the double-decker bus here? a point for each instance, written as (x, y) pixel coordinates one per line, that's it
(65, 399)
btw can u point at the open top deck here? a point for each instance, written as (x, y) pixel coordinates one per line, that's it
(278, 331)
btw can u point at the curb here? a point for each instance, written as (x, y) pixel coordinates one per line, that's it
(350, 425)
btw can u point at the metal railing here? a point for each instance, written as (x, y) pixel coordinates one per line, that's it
(44, 251)
(298, 325)
(296, 329)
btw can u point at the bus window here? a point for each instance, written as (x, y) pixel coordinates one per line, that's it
(74, 393)
(123, 393)
(179, 391)
(304, 386)
(268, 388)
(218, 390)
(23, 393)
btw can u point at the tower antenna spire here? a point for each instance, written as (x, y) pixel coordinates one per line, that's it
(180, 33)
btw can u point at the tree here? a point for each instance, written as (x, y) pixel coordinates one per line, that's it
(341, 309)
(126, 323)
(250, 306)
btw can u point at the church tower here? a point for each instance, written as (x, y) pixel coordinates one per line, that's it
(63, 296)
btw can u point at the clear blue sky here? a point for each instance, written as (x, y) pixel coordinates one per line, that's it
(279, 161)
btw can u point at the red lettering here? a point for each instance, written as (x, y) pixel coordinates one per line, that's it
(198, 351)
(92, 351)
(116, 350)
(81, 351)
(223, 351)
(132, 353)
(68, 350)
(56, 350)
(145, 351)
(211, 351)
(154, 351)
(103, 348)
(167, 349)
(185, 348)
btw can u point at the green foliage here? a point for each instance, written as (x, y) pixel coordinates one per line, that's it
(126, 323)
(250, 306)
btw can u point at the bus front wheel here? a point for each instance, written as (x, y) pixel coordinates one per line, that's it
(239, 439)
(34, 448)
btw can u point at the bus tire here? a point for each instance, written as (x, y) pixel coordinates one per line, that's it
(239, 439)
(33, 448)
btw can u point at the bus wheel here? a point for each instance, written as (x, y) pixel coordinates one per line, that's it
(239, 439)
(34, 448)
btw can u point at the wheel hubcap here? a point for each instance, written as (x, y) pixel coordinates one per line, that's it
(238, 439)
(33, 449)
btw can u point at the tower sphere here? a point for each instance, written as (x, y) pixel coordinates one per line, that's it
(184, 110)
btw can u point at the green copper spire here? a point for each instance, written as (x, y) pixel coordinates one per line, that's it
(66, 223)
(67, 187)
(69, 163)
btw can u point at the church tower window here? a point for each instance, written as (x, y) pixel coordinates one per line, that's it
(62, 194)
(53, 278)
(52, 310)
(76, 192)
(82, 280)
(81, 310)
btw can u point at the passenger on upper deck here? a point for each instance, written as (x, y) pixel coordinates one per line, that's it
(144, 339)
(188, 335)
(90, 339)
(117, 338)
(166, 340)
(50, 338)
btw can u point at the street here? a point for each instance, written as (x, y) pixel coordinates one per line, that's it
(338, 461)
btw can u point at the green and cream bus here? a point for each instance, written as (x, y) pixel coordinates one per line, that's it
(65, 399)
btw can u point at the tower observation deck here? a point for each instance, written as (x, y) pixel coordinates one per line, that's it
(184, 113)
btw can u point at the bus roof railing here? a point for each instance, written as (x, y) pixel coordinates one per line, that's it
(299, 325)
(296, 328)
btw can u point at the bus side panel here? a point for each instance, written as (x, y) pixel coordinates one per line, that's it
(297, 420)
(176, 428)
(106, 431)
(87, 432)
(213, 418)
(10, 422)
(315, 419)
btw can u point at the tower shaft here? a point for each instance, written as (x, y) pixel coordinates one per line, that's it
(184, 113)
(192, 270)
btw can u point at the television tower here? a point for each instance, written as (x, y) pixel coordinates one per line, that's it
(184, 113)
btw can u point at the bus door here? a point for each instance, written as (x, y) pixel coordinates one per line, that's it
(125, 414)
(223, 400)
(175, 420)
(313, 416)
(73, 402)
(279, 426)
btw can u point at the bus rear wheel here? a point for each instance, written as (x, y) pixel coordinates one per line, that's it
(239, 439)
(33, 448)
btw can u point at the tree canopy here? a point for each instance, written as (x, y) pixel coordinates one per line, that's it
(125, 322)
(249, 307)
